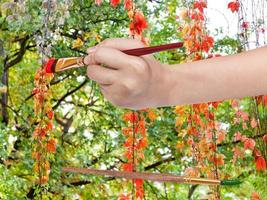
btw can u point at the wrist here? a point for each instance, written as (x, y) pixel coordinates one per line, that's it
(174, 83)
(166, 87)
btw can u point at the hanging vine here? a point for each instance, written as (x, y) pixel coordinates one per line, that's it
(196, 124)
(44, 138)
(44, 145)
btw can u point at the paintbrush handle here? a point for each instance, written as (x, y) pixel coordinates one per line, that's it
(149, 50)
(144, 176)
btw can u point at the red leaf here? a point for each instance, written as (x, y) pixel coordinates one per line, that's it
(218, 160)
(190, 141)
(249, 144)
(234, 6)
(43, 180)
(128, 155)
(244, 116)
(139, 23)
(256, 153)
(130, 117)
(139, 189)
(200, 5)
(215, 104)
(234, 103)
(36, 155)
(128, 4)
(49, 125)
(142, 143)
(197, 16)
(138, 183)
(42, 132)
(128, 142)
(127, 131)
(139, 193)
(37, 76)
(179, 145)
(151, 115)
(253, 123)
(50, 114)
(237, 136)
(260, 163)
(114, 3)
(245, 25)
(51, 145)
(262, 100)
(237, 154)
(255, 196)
(35, 91)
(128, 167)
(125, 197)
(221, 137)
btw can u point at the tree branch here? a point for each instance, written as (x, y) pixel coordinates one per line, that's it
(20, 53)
(68, 94)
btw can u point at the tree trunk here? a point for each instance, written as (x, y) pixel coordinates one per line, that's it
(4, 99)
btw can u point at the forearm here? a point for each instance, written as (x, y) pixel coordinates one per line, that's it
(215, 79)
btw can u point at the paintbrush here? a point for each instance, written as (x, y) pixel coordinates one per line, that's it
(153, 176)
(54, 65)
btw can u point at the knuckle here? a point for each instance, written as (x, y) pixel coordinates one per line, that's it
(129, 86)
(138, 66)
(97, 54)
(106, 42)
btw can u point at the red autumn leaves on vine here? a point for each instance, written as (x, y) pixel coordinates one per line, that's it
(44, 143)
(196, 124)
(135, 133)
(196, 40)
(243, 118)
(135, 143)
(138, 24)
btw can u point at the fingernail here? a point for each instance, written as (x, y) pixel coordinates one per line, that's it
(91, 49)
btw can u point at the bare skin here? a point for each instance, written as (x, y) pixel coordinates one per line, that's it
(142, 82)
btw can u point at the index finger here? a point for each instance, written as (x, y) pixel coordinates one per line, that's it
(110, 57)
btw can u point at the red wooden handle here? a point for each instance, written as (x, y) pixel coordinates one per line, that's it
(148, 50)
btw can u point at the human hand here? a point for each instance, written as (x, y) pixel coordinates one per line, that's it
(127, 81)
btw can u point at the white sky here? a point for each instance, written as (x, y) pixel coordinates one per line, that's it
(220, 16)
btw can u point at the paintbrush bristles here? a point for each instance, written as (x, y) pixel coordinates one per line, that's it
(68, 63)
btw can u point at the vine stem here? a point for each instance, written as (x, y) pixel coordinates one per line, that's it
(133, 149)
